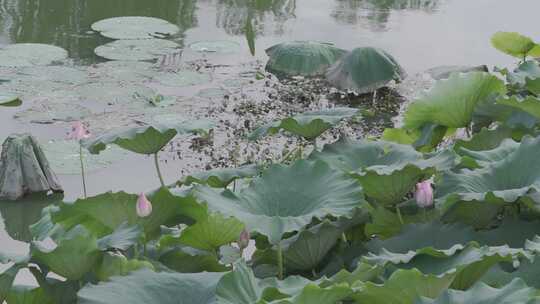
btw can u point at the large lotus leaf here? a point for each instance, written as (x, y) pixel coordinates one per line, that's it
(485, 139)
(215, 46)
(493, 111)
(190, 260)
(105, 212)
(136, 50)
(28, 295)
(220, 178)
(306, 58)
(10, 100)
(8, 276)
(403, 287)
(208, 234)
(133, 27)
(515, 292)
(486, 157)
(122, 238)
(145, 286)
(387, 171)
(308, 125)
(515, 44)
(75, 254)
(529, 104)
(364, 70)
(64, 157)
(528, 271)
(182, 78)
(451, 102)
(148, 139)
(286, 199)
(315, 294)
(528, 70)
(114, 264)
(30, 54)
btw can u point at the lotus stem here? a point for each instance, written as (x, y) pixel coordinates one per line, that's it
(280, 262)
(398, 211)
(82, 170)
(344, 237)
(156, 161)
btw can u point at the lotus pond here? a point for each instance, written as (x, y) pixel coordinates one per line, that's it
(231, 152)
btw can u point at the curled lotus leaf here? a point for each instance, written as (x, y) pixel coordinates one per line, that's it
(308, 125)
(364, 70)
(220, 178)
(136, 50)
(285, 199)
(148, 139)
(515, 44)
(305, 58)
(387, 171)
(30, 54)
(452, 102)
(135, 27)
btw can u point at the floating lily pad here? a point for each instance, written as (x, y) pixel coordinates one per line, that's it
(212, 93)
(63, 155)
(54, 73)
(136, 50)
(364, 70)
(30, 54)
(125, 71)
(182, 78)
(112, 93)
(47, 113)
(216, 46)
(134, 27)
(10, 101)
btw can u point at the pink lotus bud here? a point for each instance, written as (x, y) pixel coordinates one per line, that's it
(243, 241)
(78, 131)
(424, 194)
(144, 206)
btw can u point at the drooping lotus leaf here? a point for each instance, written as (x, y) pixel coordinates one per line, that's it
(308, 124)
(451, 102)
(76, 253)
(403, 287)
(136, 50)
(63, 155)
(285, 199)
(492, 111)
(115, 264)
(305, 58)
(476, 196)
(364, 70)
(134, 27)
(515, 292)
(47, 113)
(145, 286)
(515, 44)
(215, 46)
(220, 178)
(30, 54)
(148, 139)
(10, 100)
(182, 78)
(387, 171)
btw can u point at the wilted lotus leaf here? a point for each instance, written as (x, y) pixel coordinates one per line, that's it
(47, 113)
(215, 46)
(515, 44)
(308, 125)
(182, 78)
(221, 178)
(136, 50)
(30, 54)
(286, 199)
(305, 58)
(10, 101)
(387, 171)
(452, 102)
(134, 27)
(364, 70)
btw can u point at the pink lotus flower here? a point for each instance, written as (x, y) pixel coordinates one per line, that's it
(424, 194)
(243, 241)
(78, 131)
(144, 206)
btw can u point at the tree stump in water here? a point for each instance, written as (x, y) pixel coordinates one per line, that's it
(24, 168)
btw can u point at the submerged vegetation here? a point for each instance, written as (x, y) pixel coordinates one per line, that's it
(444, 209)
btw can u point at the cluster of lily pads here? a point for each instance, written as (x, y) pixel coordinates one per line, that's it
(442, 210)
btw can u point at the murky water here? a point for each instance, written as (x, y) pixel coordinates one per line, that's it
(420, 33)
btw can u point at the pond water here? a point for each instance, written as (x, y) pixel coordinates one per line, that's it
(421, 34)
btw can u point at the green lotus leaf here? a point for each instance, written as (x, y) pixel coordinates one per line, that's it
(515, 44)
(386, 223)
(215, 46)
(528, 70)
(365, 70)
(363, 272)
(145, 286)
(190, 260)
(208, 234)
(136, 50)
(134, 27)
(220, 178)
(387, 171)
(182, 78)
(400, 136)
(315, 294)
(8, 276)
(305, 58)
(28, 295)
(10, 100)
(148, 139)
(485, 139)
(515, 292)
(114, 264)
(486, 157)
(285, 199)
(529, 104)
(75, 254)
(30, 54)
(122, 238)
(528, 271)
(308, 125)
(403, 287)
(452, 102)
